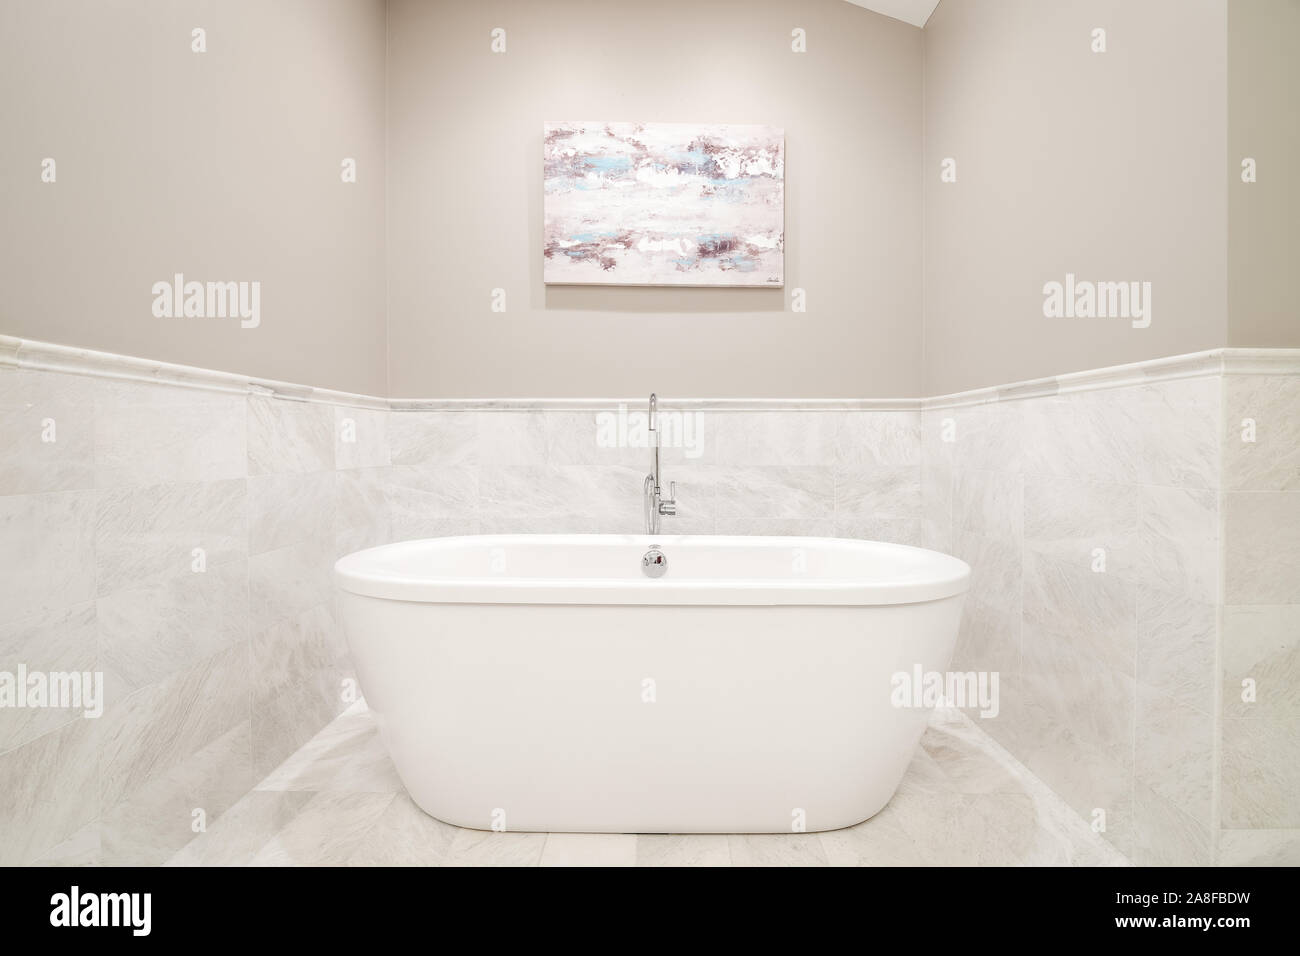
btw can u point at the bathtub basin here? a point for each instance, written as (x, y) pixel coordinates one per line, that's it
(543, 682)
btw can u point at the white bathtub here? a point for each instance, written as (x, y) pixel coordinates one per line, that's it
(543, 682)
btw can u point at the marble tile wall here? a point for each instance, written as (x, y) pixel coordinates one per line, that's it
(1134, 560)
(1090, 520)
(1259, 737)
(178, 541)
(1130, 570)
(850, 473)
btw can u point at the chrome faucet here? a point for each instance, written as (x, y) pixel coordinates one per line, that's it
(656, 505)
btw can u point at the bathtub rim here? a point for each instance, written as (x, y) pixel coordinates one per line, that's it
(952, 577)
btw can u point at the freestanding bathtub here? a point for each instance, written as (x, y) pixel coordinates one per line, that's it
(543, 682)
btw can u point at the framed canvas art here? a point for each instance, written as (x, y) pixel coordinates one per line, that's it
(668, 204)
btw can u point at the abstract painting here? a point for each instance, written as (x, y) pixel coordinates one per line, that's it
(664, 204)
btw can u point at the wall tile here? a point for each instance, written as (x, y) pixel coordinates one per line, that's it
(1174, 754)
(878, 438)
(777, 438)
(775, 492)
(1179, 541)
(46, 790)
(909, 531)
(616, 436)
(1078, 689)
(1262, 642)
(988, 639)
(997, 568)
(510, 437)
(992, 437)
(937, 478)
(360, 437)
(1272, 461)
(47, 553)
(48, 435)
(802, 527)
(412, 517)
(148, 634)
(442, 491)
(289, 437)
(151, 435)
(285, 719)
(290, 509)
(361, 499)
(1067, 520)
(294, 649)
(145, 535)
(1164, 835)
(156, 729)
(286, 582)
(1179, 422)
(1088, 778)
(576, 498)
(156, 820)
(1097, 612)
(1262, 547)
(1260, 764)
(877, 491)
(449, 438)
(990, 503)
(1259, 848)
(58, 641)
(1177, 641)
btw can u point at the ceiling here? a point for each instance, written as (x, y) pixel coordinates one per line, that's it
(915, 12)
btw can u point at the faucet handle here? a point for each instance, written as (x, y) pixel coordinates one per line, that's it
(668, 506)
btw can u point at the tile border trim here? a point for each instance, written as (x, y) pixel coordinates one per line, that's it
(669, 402)
(46, 356)
(1192, 365)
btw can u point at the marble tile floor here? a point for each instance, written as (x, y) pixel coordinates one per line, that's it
(338, 802)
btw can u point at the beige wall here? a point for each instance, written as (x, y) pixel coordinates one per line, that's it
(1110, 166)
(465, 198)
(223, 166)
(1264, 216)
